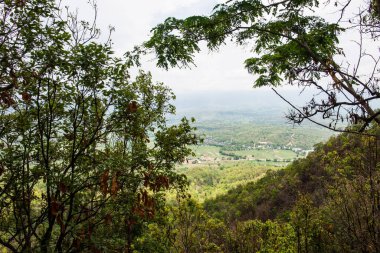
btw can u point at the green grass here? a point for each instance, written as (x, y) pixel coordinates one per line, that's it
(206, 150)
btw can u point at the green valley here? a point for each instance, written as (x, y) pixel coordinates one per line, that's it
(233, 153)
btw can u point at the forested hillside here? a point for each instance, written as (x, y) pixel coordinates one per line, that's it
(326, 202)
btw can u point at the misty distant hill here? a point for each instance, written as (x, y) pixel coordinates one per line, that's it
(258, 105)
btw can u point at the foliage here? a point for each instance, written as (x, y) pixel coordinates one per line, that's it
(23, 36)
(276, 193)
(293, 45)
(209, 181)
(85, 149)
(187, 228)
(329, 198)
(329, 201)
(326, 202)
(87, 155)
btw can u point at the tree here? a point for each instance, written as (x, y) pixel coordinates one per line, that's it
(22, 36)
(292, 45)
(184, 227)
(85, 149)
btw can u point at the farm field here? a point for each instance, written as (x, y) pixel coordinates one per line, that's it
(207, 150)
(243, 134)
(209, 153)
(267, 154)
(237, 152)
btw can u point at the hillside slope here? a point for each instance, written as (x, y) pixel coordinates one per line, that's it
(326, 202)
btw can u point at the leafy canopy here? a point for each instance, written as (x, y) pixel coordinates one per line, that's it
(293, 45)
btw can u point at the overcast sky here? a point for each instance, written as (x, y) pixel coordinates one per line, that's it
(133, 20)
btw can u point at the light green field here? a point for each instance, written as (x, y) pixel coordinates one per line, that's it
(260, 154)
(267, 154)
